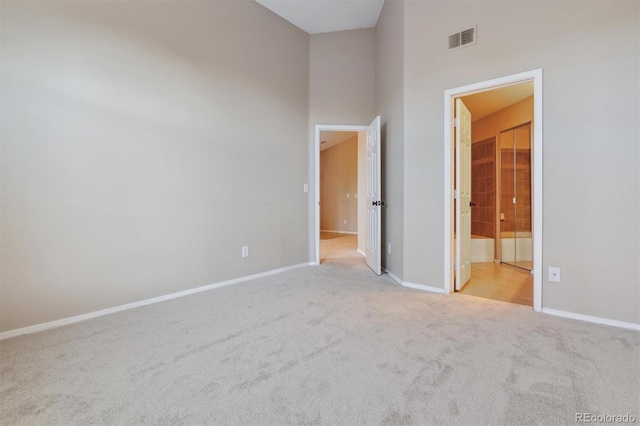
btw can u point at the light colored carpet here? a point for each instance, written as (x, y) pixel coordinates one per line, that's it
(330, 344)
(340, 248)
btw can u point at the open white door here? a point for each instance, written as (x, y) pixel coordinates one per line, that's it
(463, 194)
(374, 203)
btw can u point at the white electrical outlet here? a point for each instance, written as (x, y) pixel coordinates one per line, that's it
(345, 221)
(245, 251)
(347, 195)
(554, 274)
(305, 188)
(389, 248)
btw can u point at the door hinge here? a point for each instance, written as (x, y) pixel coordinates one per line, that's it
(456, 122)
(456, 194)
(514, 200)
(455, 265)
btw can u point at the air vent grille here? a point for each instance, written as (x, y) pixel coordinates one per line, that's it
(462, 38)
(454, 40)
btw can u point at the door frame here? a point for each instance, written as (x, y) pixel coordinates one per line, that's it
(534, 76)
(316, 162)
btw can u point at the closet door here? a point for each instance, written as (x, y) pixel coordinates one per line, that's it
(507, 199)
(522, 170)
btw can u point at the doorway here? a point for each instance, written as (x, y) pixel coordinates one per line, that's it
(341, 182)
(372, 206)
(457, 247)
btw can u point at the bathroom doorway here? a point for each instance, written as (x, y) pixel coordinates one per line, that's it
(501, 237)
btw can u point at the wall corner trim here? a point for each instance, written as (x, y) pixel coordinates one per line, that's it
(592, 319)
(423, 287)
(83, 317)
(414, 286)
(391, 274)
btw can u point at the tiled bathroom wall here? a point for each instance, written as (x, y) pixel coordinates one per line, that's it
(483, 187)
(516, 217)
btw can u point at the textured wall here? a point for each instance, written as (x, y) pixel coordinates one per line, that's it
(390, 108)
(591, 134)
(341, 90)
(143, 143)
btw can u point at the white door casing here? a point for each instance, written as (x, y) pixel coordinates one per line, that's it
(450, 95)
(374, 202)
(463, 192)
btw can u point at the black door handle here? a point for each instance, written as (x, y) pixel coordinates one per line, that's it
(472, 204)
(377, 203)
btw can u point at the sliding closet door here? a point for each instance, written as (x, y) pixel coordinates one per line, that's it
(522, 168)
(507, 199)
(515, 197)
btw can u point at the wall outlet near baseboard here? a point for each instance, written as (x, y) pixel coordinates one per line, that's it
(554, 274)
(345, 221)
(245, 251)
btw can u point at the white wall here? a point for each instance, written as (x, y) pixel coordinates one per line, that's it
(341, 90)
(143, 143)
(390, 107)
(589, 55)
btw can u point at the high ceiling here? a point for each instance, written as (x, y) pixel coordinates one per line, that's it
(334, 138)
(484, 104)
(323, 16)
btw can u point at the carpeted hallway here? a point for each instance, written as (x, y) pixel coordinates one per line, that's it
(331, 344)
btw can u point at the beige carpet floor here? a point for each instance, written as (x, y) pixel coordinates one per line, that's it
(330, 344)
(340, 248)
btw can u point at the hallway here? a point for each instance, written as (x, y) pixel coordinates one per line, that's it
(339, 248)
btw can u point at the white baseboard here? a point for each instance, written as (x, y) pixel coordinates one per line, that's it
(361, 253)
(423, 287)
(392, 275)
(589, 318)
(339, 232)
(413, 285)
(78, 318)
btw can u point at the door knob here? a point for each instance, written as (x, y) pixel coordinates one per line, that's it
(377, 203)
(472, 204)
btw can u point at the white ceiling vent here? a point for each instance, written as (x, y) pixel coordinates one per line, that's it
(463, 38)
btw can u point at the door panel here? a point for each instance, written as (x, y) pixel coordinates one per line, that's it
(463, 200)
(374, 205)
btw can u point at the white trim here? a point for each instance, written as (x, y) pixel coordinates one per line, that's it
(339, 232)
(423, 287)
(78, 318)
(589, 318)
(361, 253)
(413, 285)
(449, 95)
(391, 274)
(316, 174)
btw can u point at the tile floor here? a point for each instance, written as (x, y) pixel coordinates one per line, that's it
(500, 282)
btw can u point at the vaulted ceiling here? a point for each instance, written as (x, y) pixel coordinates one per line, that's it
(323, 16)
